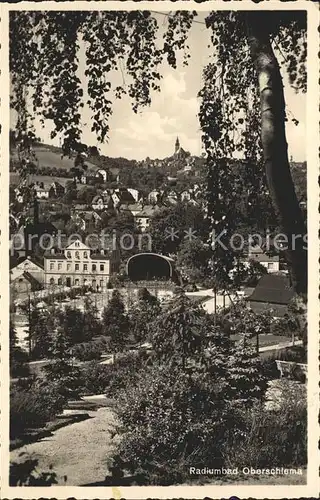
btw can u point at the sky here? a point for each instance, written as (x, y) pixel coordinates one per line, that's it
(173, 112)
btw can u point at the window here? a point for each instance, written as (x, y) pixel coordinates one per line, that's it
(101, 267)
(59, 266)
(68, 255)
(85, 267)
(59, 281)
(68, 267)
(77, 255)
(94, 267)
(77, 267)
(51, 281)
(51, 266)
(270, 265)
(85, 255)
(76, 244)
(76, 282)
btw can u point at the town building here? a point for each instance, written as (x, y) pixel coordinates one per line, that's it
(153, 196)
(109, 174)
(56, 190)
(134, 193)
(111, 198)
(86, 219)
(24, 285)
(79, 265)
(270, 262)
(273, 292)
(45, 191)
(26, 276)
(136, 208)
(142, 218)
(103, 201)
(30, 265)
(42, 191)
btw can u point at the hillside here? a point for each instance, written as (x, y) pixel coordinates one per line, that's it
(144, 174)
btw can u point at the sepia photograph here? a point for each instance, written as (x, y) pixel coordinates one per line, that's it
(158, 251)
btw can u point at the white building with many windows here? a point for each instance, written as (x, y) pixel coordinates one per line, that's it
(79, 265)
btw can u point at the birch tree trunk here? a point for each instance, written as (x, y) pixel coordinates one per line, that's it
(275, 148)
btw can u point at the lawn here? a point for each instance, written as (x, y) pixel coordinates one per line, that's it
(46, 179)
(52, 159)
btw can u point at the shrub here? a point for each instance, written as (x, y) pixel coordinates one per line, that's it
(96, 378)
(269, 368)
(172, 420)
(246, 377)
(275, 437)
(31, 409)
(110, 379)
(88, 351)
(297, 354)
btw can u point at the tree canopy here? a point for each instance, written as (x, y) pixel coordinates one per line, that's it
(242, 102)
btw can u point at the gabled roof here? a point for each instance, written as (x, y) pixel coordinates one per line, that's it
(104, 197)
(31, 278)
(125, 196)
(272, 289)
(15, 263)
(78, 245)
(57, 184)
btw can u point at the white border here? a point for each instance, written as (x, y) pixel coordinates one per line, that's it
(212, 491)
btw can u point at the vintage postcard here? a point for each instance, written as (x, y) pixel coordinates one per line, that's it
(159, 249)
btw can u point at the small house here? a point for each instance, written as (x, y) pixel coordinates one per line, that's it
(273, 292)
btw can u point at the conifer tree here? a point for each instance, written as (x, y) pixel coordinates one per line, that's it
(246, 382)
(61, 371)
(115, 321)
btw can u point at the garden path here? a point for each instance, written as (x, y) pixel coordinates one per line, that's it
(78, 451)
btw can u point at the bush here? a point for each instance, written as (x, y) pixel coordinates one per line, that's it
(110, 379)
(33, 408)
(297, 354)
(272, 437)
(172, 420)
(88, 351)
(269, 368)
(96, 378)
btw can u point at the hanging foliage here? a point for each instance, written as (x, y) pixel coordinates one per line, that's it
(242, 113)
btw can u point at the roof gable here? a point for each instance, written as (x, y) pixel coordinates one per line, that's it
(77, 245)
